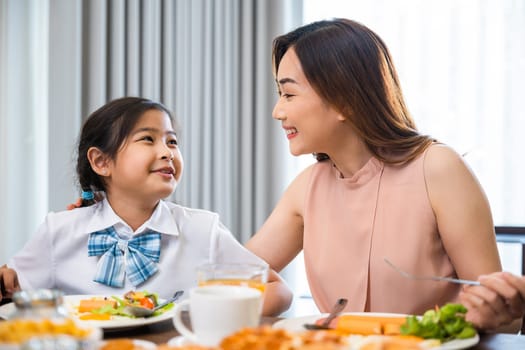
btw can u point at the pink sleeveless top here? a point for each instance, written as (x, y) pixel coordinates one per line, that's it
(352, 224)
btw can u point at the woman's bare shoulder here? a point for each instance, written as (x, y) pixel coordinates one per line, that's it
(440, 159)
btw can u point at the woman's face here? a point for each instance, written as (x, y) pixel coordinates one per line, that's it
(309, 122)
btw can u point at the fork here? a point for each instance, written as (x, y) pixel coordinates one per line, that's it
(433, 278)
(140, 311)
(336, 310)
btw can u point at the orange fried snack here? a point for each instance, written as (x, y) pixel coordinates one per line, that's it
(185, 347)
(260, 338)
(118, 344)
(20, 330)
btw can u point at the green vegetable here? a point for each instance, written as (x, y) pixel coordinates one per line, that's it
(444, 323)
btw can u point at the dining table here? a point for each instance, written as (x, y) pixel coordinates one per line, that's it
(162, 332)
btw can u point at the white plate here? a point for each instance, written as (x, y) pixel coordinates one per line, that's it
(296, 325)
(71, 303)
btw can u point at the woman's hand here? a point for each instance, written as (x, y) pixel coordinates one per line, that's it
(499, 300)
(8, 282)
(77, 204)
(278, 296)
(99, 196)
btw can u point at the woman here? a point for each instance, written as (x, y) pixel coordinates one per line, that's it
(380, 189)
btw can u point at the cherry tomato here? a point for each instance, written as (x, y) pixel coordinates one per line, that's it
(147, 303)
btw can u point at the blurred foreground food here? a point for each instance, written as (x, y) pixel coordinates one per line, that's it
(19, 331)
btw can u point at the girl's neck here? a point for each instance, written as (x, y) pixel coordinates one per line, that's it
(134, 212)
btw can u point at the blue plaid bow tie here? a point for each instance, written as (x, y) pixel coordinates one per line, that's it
(137, 258)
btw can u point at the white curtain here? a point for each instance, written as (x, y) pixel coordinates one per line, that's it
(208, 61)
(24, 136)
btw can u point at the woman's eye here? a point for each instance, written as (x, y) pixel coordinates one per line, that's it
(173, 142)
(287, 96)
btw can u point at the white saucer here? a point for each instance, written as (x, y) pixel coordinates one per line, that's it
(180, 341)
(183, 341)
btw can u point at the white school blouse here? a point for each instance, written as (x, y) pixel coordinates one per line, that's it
(56, 256)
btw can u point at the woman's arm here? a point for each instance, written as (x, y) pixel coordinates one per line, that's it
(465, 224)
(462, 213)
(278, 296)
(280, 238)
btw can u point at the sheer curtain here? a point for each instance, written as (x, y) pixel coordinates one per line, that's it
(208, 61)
(23, 120)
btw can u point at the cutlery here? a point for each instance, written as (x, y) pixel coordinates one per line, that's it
(433, 278)
(140, 311)
(336, 310)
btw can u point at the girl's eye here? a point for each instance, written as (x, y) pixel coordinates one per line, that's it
(146, 138)
(173, 142)
(287, 96)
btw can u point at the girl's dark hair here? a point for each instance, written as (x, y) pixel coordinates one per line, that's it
(349, 66)
(107, 129)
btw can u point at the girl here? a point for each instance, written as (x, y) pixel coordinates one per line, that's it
(132, 238)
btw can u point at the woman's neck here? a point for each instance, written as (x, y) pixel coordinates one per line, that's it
(350, 158)
(134, 212)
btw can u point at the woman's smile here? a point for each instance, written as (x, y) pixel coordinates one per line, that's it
(290, 133)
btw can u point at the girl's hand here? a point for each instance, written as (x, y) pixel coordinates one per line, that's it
(8, 282)
(497, 302)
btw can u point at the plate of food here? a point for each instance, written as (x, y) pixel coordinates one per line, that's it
(439, 329)
(108, 312)
(111, 312)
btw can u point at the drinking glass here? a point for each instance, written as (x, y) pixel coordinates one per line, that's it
(250, 275)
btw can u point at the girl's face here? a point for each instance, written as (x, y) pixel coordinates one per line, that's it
(148, 165)
(310, 124)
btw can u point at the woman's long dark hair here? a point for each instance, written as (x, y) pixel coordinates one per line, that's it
(349, 67)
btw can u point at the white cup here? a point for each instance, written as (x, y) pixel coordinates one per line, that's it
(217, 311)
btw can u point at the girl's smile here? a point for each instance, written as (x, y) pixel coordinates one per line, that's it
(167, 172)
